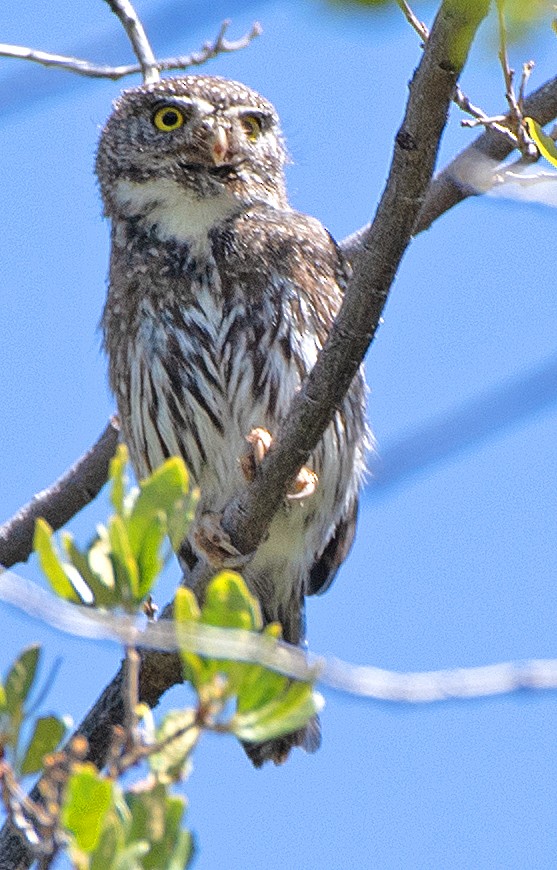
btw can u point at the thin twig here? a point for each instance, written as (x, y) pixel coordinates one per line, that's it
(452, 185)
(459, 97)
(526, 73)
(210, 50)
(129, 18)
(419, 26)
(516, 114)
(508, 73)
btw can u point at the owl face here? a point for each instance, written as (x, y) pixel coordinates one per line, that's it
(206, 136)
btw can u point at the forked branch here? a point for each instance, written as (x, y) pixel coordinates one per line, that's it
(220, 45)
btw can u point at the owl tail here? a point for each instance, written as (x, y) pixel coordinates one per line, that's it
(278, 750)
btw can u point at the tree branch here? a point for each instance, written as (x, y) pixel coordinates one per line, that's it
(247, 516)
(210, 50)
(472, 172)
(61, 501)
(131, 23)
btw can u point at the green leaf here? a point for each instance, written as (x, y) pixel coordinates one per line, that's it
(163, 493)
(110, 844)
(125, 567)
(171, 763)
(131, 858)
(149, 560)
(87, 801)
(182, 853)
(111, 847)
(229, 603)
(545, 144)
(21, 677)
(100, 562)
(259, 684)
(47, 735)
(282, 715)
(117, 474)
(187, 615)
(156, 817)
(50, 563)
(99, 582)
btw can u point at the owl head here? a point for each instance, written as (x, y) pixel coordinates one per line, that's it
(205, 135)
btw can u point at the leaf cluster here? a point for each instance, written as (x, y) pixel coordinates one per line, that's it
(122, 563)
(88, 812)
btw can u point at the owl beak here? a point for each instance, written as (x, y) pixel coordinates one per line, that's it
(219, 147)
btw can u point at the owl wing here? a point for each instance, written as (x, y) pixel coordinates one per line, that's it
(325, 568)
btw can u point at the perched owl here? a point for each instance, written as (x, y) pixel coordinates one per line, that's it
(220, 298)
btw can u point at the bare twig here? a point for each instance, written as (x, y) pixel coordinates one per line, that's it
(125, 12)
(461, 178)
(61, 501)
(210, 50)
(459, 97)
(524, 78)
(516, 115)
(419, 26)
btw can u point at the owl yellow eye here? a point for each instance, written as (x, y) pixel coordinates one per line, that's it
(252, 126)
(168, 118)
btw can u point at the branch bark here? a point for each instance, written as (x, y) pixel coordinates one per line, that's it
(61, 501)
(247, 517)
(454, 184)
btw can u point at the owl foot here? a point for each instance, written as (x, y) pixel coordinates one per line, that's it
(260, 440)
(214, 545)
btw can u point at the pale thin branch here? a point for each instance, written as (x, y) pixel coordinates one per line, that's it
(124, 11)
(506, 176)
(459, 97)
(365, 681)
(516, 115)
(220, 45)
(527, 69)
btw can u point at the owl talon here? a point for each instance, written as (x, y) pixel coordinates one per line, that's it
(305, 484)
(260, 441)
(214, 545)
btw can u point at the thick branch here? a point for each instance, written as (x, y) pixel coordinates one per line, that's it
(61, 501)
(247, 517)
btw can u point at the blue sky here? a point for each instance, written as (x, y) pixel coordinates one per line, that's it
(454, 564)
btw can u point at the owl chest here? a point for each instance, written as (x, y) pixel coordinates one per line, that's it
(207, 367)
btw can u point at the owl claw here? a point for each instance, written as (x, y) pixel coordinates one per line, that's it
(305, 484)
(260, 441)
(214, 545)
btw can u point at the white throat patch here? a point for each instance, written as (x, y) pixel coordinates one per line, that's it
(176, 212)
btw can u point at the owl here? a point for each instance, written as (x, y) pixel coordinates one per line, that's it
(220, 298)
